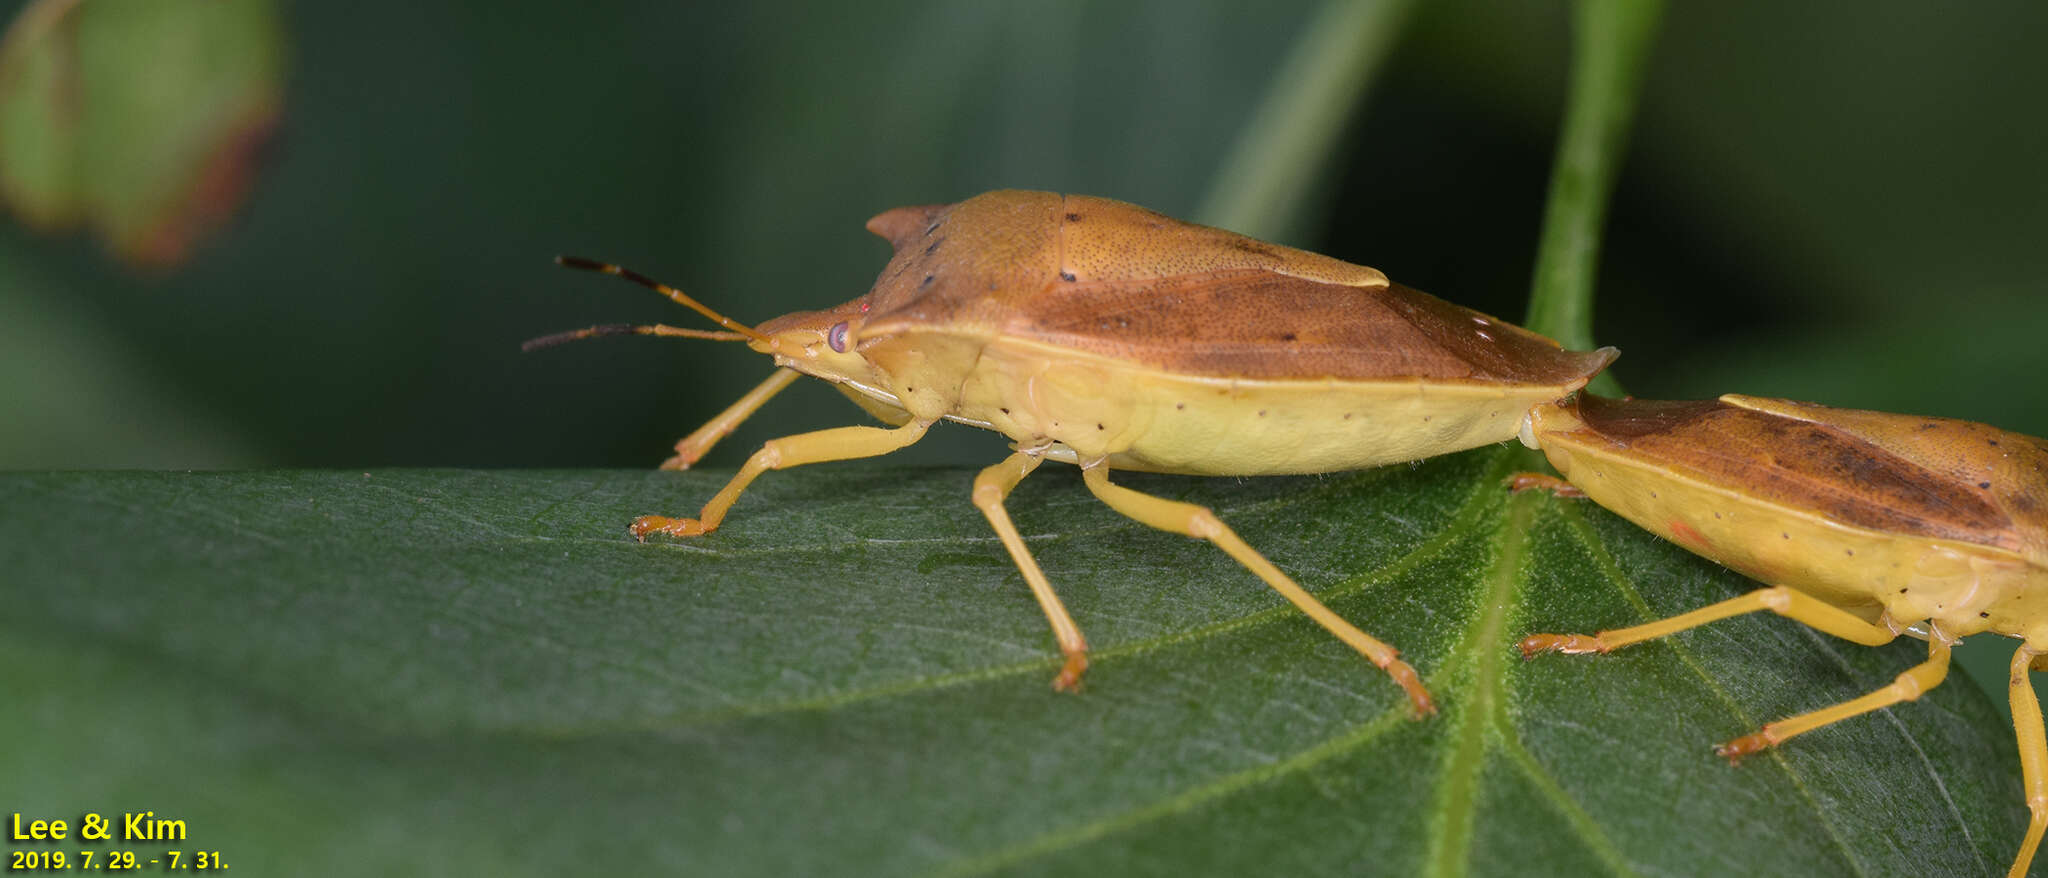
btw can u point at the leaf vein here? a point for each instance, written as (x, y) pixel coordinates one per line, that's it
(1180, 803)
(1588, 828)
(1611, 570)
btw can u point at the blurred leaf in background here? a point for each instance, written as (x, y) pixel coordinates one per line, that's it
(143, 119)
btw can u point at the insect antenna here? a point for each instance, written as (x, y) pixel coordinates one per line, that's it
(674, 294)
(661, 329)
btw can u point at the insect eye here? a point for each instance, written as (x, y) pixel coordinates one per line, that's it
(836, 337)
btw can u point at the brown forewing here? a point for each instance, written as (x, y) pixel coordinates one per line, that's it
(1802, 464)
(1114, 279)
(1256, 324)
(2010, 469)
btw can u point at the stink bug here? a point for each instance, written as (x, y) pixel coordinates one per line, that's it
(1866, 525)
(1101, 334)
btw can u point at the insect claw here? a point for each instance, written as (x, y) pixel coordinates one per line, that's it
(662, 524)
(1411, 682)
(1069, 679)
(1733, 751)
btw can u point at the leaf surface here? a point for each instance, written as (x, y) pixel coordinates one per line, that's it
(421, 672)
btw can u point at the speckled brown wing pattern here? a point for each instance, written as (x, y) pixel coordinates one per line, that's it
(1804, 464)
(1117, 280)
(2009, 469)
(1256, 324)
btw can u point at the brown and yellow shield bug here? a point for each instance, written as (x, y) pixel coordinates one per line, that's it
(1864, 525)
(1101, 334)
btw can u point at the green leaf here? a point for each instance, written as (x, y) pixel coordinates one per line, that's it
(423, 672)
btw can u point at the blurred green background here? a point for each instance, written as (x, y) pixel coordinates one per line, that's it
(1845, 208)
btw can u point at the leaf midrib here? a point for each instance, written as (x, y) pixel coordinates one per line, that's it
(1457, 799)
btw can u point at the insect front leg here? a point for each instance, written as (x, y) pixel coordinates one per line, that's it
(2027, 727)
(1910, 685)
(693, 447)
(1790, 603)
(1199, 522)
(991, 487)
(838, 443)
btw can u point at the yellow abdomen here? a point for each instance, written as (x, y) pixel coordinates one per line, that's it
(1081, 408)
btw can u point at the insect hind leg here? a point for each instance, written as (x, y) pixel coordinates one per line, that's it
(2033, 743)
(1908, 686)
(991, 487)
(1199, 522)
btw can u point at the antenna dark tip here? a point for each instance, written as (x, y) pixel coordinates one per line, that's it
(664, 289)
(585, 264)
(560, 338)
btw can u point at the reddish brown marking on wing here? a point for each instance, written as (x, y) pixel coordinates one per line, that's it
(1691, 538)
(1250, 323)
(1631, 418)
(2008, 470)
(1117, 280)
(1496, 350)
(1801, 464)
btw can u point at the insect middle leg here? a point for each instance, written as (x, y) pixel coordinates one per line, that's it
(2027, 727)
(693, 447)
(1199, 522)
(838, 443)
(991, 487)
(1910, 685)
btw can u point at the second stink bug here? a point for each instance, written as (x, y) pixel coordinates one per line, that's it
(1864, 525)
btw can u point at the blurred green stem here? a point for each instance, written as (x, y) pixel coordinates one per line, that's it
(1611, 42)
(1264, 188)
